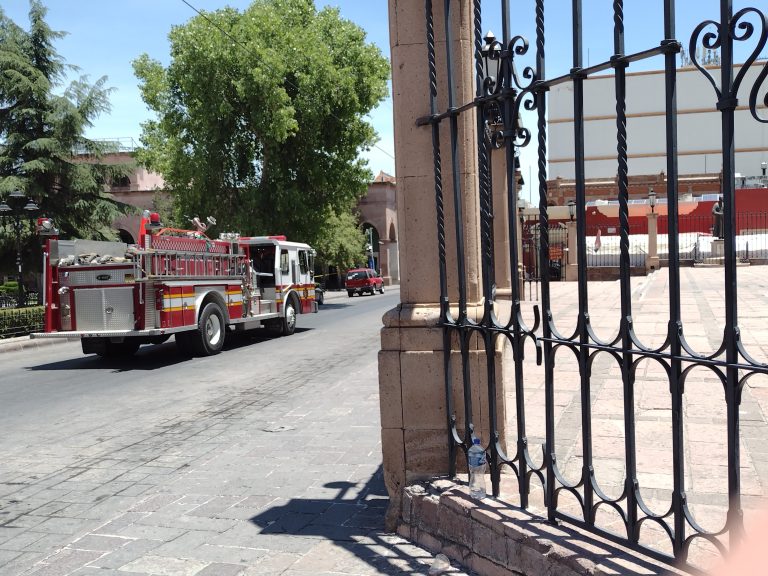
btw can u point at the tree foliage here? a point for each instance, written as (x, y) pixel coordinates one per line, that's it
(43, 150)
(261, 120)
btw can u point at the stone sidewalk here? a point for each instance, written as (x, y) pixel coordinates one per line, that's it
(704, 410)
(283, 478)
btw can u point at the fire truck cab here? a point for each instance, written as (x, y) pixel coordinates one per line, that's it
(116, 296)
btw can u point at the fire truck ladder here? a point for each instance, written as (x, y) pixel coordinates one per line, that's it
(192, 265)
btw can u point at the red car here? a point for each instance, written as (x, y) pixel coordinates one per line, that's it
(363, 280)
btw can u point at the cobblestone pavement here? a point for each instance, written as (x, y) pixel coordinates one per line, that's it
(283, 478)
(704, 402)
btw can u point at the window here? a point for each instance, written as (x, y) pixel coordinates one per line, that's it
(284, 267)
(303, 261)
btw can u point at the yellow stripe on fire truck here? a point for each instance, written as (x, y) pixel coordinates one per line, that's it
(178, 302)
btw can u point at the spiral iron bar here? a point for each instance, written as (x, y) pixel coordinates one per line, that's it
(445, 318)
(544, 259)
(627, 374)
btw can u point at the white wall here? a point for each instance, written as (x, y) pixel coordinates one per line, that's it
(699, 126)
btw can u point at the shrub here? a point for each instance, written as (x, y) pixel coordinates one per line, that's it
(21, 321)
(10, 287)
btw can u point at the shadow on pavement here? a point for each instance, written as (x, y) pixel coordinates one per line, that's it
(332, 306)
(153, 357)
(352, 520)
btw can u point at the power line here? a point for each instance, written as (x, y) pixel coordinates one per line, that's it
(237, 41)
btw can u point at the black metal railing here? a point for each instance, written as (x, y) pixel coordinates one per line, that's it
(500, 96)
(8, 300)
(531, 247)
(695, 238)
(604, 246)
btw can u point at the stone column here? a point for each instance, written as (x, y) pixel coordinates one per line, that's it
(572, 268)
(414, 418)
(652, 260)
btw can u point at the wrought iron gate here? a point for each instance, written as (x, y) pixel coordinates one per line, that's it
(501, 93)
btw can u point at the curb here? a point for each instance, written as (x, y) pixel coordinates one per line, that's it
(342, 293)
(26, 343)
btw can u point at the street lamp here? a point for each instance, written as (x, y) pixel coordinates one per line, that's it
(571, 209)
(13, 211)
(652, 199)
(491, 53)
(369, 248)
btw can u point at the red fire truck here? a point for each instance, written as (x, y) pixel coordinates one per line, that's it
(117, 296)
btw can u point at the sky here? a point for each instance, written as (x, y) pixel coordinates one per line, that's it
(105, 36)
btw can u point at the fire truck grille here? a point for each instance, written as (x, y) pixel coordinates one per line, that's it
(150, 312)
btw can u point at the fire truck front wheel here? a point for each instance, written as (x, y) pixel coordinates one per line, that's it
(289, 322)
(286, 325)
(211, 330)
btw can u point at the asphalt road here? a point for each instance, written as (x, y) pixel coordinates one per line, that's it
(42, 389)
(264, 459)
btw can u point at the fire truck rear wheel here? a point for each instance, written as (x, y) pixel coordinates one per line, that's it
(211, 330)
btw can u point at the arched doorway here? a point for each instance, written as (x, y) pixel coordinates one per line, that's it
(126, 236)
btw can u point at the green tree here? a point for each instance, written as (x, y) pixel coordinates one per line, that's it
(43, 150)
(261, 121)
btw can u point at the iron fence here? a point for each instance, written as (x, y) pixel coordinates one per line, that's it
(11, 300)
(698, 244)
(531, 247)
(501, 93)
(604, 246)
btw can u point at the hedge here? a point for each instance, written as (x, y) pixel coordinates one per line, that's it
(21, 321)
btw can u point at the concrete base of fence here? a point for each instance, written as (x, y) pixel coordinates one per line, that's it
(494, 538)
(611, 273)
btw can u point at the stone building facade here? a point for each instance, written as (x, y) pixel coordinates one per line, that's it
(561, 191)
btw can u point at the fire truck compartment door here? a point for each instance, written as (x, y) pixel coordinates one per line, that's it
(104, 308)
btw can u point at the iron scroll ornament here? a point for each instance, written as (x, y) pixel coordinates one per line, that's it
(738, 30)
(502, 82)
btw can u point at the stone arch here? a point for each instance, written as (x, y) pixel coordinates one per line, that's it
(126, 236)
(121, 182)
